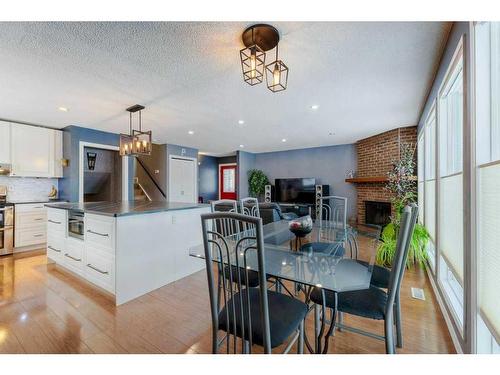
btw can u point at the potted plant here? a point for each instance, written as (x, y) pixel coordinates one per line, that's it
(257, 182)
(403, 187)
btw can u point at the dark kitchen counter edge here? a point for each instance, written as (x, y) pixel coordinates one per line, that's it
(33, 201)
(117, 210)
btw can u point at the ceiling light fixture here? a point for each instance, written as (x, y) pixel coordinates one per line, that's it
(190, 132)
(283, 140)
(241, 122)
(314, 107)
(258, 39)
(253, 58)
(137, 142)
(241, 146)
(63, 109)
(276, 75)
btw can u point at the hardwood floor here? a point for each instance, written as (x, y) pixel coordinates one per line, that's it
(46, 310)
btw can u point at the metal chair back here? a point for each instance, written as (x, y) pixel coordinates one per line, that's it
(225, 205)
(334, 210)
(333, 217)
(250, 207)
(406, 226)
(236, 252)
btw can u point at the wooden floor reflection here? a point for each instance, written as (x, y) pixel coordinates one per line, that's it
(46, 310)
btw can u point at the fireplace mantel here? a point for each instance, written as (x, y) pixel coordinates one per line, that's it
(367, 180)
(372, 180)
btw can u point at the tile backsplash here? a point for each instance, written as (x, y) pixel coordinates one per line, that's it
(25, 188)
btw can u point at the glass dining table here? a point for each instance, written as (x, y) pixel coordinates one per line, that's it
(333, 256)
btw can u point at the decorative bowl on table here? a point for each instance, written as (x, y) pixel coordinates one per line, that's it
(301, 226)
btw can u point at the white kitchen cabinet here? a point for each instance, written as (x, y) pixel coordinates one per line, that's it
(30, 229)
(4, 142)
(58, 153)
(35, 151)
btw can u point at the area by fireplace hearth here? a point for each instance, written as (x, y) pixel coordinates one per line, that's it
(377, 213)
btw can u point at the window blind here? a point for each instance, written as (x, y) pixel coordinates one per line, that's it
(430, 207)
(489, 246)
(420, 177)
(451, 223)
(420, 201)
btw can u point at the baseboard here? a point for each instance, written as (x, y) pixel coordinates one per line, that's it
(444, 311)
(23, 249)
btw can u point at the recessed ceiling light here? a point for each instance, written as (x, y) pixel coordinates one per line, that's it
(241, 122)
(190, 132)
(241, 146)
(63, 109)
(283, 140)
(314, 107)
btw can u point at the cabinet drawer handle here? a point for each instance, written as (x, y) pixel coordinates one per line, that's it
(97, 269)
(54, 222)
(39, 218)
(38, 235)
(69, 256)
(99, 234)
(54, 249)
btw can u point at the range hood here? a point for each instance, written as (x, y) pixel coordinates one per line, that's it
(4, 169)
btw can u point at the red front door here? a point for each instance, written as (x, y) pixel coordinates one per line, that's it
(227, 182)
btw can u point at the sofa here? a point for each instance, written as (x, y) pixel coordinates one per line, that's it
(269, 212)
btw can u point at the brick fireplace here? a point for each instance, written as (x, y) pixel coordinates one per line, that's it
(375, 155)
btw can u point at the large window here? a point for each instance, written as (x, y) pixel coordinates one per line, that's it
(450, 187)
(442, 163)
(487, 114)
(427, 181)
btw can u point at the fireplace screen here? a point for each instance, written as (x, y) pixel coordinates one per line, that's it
(377, 213)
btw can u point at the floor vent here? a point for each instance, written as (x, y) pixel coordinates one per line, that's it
(418, 293)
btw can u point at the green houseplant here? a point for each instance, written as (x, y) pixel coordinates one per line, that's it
(257, 182)
(403, 187)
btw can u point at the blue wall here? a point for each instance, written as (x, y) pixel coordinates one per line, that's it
(69, 184)
(246, 162)
(458, 30)
(328, 165)
(208, 176)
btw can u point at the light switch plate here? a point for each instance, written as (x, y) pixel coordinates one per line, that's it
(418, 293)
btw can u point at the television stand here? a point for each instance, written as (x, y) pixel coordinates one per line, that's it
(301, 209)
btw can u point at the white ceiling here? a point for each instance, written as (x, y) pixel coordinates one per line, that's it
(366, 78)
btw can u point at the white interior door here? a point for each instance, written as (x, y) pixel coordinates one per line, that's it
(182, 180)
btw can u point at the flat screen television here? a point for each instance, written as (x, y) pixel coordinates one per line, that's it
(295, 190)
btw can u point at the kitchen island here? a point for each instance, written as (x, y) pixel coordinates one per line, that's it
(126, 248)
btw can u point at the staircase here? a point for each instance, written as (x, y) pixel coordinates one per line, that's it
(145, 186)
(139, 193)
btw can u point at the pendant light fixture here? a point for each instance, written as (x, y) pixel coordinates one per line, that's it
(137, 142)
(253, 61)
(258, 39)
(276, 75)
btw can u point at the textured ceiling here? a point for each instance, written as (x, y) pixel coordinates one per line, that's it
(366, 78)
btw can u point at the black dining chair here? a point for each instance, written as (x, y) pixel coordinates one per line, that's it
(227, 228)
(373, 303)
(250, 316)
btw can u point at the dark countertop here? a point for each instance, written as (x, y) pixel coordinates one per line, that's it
(125, 208)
